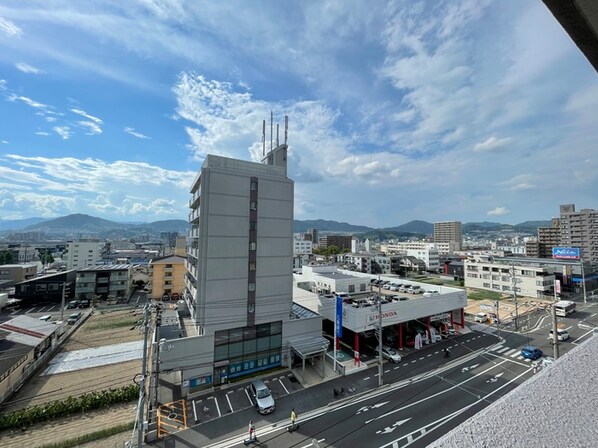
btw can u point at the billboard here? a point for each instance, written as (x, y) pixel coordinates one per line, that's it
(567, 253)
(339, 317)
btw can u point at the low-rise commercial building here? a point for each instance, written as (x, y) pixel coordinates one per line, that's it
(46, 289)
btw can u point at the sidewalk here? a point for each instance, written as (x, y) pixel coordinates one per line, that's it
(70, 427)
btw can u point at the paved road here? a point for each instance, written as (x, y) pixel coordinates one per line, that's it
(424, 396)
(307, 401)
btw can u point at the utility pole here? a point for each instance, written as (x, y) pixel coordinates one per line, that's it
(555, 336)
(583, 283)
(497, 308)
(62, 303)
(380, 369)
(514, 280)
(157, 354)
(139, 420)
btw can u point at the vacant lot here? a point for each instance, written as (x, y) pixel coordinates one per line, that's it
(99, 330)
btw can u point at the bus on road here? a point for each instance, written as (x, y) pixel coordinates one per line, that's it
(564, 308)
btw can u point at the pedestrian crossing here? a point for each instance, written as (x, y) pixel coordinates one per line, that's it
(514, 353)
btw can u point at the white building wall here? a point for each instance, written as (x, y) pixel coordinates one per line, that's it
(83, 253)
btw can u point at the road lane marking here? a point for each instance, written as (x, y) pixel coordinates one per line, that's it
(248, 397)
(504, 349)
(311, 444)
(406, 364)
(230, 406)
(424, 430)
(494, 366)
(194, 410)
(366, 378)
(582, 336)
(386, 371)
(396, 367)
(516, 354)
(217, 407)
(283, 386)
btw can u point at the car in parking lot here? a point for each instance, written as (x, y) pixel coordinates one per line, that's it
(431, 293)
(264, 402)
(481, 317)
(73, 318)
(389, 353)
(394, 288)
(73, 304)
(531, 352)
(414, 289)
(84, 303)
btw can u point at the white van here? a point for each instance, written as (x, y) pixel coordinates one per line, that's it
(481, 317)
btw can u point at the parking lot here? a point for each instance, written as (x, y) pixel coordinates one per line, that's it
(237, 397)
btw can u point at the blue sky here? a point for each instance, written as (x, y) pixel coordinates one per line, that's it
(457, 110)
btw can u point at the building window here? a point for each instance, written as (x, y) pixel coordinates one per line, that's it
(252, 266)
(251, 287)
(486, 285)
(351, 288)
(253, 225)
(253, 245)
(253, 185)
(253, 205)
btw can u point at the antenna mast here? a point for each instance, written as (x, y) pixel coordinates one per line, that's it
(286, 128)
(263, 137)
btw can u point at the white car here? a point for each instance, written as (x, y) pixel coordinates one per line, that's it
(431, 293)
(481, 317)
(390, 353)
(561, 335)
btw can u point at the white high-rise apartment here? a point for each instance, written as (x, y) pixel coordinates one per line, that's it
(449, 232)
(580, 230)
(83, 253)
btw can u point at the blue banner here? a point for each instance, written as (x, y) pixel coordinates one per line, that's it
(339, 317)
(567, 253)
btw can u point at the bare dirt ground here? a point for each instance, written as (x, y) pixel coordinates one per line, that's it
(99, 330)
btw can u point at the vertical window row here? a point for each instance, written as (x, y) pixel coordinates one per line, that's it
(252, 260)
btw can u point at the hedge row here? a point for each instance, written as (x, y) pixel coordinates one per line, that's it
(62, 408)
(97, 435)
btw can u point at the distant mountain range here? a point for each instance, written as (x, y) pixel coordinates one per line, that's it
(86, 224)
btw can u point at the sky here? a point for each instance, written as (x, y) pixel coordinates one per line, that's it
(435, 110)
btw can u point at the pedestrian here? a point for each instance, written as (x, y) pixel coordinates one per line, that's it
(447, 352)
(293, 419)
(251, 431)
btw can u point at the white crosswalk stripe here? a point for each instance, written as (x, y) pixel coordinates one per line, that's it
(493, 349)
(521, 358)
(504, 349)
(527, 360)
(516, 354)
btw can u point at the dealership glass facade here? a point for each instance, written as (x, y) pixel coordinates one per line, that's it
(249, 349)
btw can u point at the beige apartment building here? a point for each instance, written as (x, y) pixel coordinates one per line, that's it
(449, 232)
(10, 274)
(580, 230)
(549, 237)
(167, 276)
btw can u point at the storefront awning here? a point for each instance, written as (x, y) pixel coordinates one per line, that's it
(306, 347)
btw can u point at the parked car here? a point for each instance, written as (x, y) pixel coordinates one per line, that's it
(166, 298)
(175, 296)
(404, 288)
(73, 304)
(561, 335)
(73, 318)
(394, 288)
(413, 289)
(431, 293)
(84, 303)
(264, 402)
(531, 352)
(481, 317)
(389, 353)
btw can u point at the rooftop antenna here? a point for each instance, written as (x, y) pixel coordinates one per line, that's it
(286, 128)
(277, 135)
(263, 137)
(271, 126)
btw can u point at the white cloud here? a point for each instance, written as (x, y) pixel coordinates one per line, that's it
(4, 141)
(86, 115)
(27, 101)
(134, 133)
(498, 211)
(492, 144)
(2, 84)
(26, 68)
(9, 27)
(92, 127)
(63, 131)
(42, 133)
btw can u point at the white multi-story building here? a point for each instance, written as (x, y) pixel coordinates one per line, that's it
(239, 280)
(302, 247)
(83, 253)
(428, 256)
(497, 275)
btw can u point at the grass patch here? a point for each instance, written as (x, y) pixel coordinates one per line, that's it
(484, 295)
(92, 436)
(125, 322)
